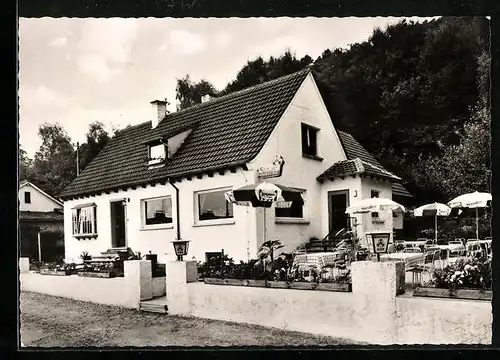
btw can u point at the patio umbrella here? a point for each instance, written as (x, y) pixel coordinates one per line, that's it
(474, 200)
(374, 205)
(434, 209)
(264, 195)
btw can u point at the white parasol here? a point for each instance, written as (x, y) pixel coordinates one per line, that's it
(472, 200)
(374, 205)
(434, 209)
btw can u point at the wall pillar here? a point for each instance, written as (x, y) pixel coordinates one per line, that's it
(139, 279)
(24, 265)
(179, 274)
(375, 286)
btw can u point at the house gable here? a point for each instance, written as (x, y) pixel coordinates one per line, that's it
(306, 108)
(39, 200)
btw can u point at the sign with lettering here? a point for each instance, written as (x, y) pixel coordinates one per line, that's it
(273, 170)
(380, 243)
(283, 204)
(267, 195)
(180, 249)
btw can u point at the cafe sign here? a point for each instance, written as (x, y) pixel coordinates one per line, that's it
(380, 244)
(272, 170)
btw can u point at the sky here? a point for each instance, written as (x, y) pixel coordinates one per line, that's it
(77, 71)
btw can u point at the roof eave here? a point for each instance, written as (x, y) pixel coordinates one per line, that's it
(165, 179)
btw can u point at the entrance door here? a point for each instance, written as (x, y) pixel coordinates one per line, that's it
(118, 219)
(338, 201)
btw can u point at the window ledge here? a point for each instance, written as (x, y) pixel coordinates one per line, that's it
(378, 222)
(313, 157)
(156, 162)
(85, 236)
(156, 227)
(213, 223)
(291, 221)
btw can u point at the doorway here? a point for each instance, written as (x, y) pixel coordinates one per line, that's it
(338, 201)
(118, 223)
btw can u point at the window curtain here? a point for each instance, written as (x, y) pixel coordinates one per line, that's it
(201, 203)
(84, 217)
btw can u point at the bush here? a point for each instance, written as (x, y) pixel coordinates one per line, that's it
(281, 269)
(464, 274)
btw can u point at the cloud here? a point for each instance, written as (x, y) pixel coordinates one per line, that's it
(60, 41)
(39, 97)
(105, 47)
(222, 39)
(97, 67)
(187, 43)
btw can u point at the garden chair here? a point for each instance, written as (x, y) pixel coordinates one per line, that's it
(427, 266)
(436, 259)
(416, 275)
(341, 266)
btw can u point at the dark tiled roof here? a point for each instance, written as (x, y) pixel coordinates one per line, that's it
(227, 131)
(40, 216)
(356, 166)
(354, 149)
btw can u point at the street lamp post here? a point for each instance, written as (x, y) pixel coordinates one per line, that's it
(380, 242)
(181, 248)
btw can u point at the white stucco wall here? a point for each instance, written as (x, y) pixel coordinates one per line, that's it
(298, 171)
(385, 189)
(234, 238)
(39, 201)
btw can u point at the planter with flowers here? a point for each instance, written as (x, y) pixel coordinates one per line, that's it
(99, 270)
(61, 269)
(278, 273)
(466, 279)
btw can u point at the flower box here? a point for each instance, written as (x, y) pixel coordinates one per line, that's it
(334, 287)
(254, 283)
(55, 272)
(469, 294)
(97, 274)
(280, 284)
(303, 285)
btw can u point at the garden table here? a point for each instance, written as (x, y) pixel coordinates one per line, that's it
(318, 260)
(410, 259)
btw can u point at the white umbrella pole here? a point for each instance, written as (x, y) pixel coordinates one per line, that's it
(436, 227)
(39, 247)
(265, 230)
(477, 226)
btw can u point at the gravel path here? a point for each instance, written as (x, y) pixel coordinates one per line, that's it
(48, 321)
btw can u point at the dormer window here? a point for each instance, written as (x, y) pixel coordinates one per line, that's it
(157, 154)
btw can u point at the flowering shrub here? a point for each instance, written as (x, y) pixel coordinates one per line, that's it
(281, 269)
(65, 267)
(466, 274)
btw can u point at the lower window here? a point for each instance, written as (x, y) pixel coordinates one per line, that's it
(212, 205)
(157, 211)
(296, 211)
(84, 220)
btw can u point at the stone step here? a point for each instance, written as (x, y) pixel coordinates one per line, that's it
(151, 307)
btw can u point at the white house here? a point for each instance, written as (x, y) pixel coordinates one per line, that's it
(166, 178)
(38, 212)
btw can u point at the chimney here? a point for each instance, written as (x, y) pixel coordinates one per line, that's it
(205, 98)
(158, 111)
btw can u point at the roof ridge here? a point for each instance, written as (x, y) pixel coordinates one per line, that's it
(234, 93)
(379, 168)
(134, 126)
(359, 165)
